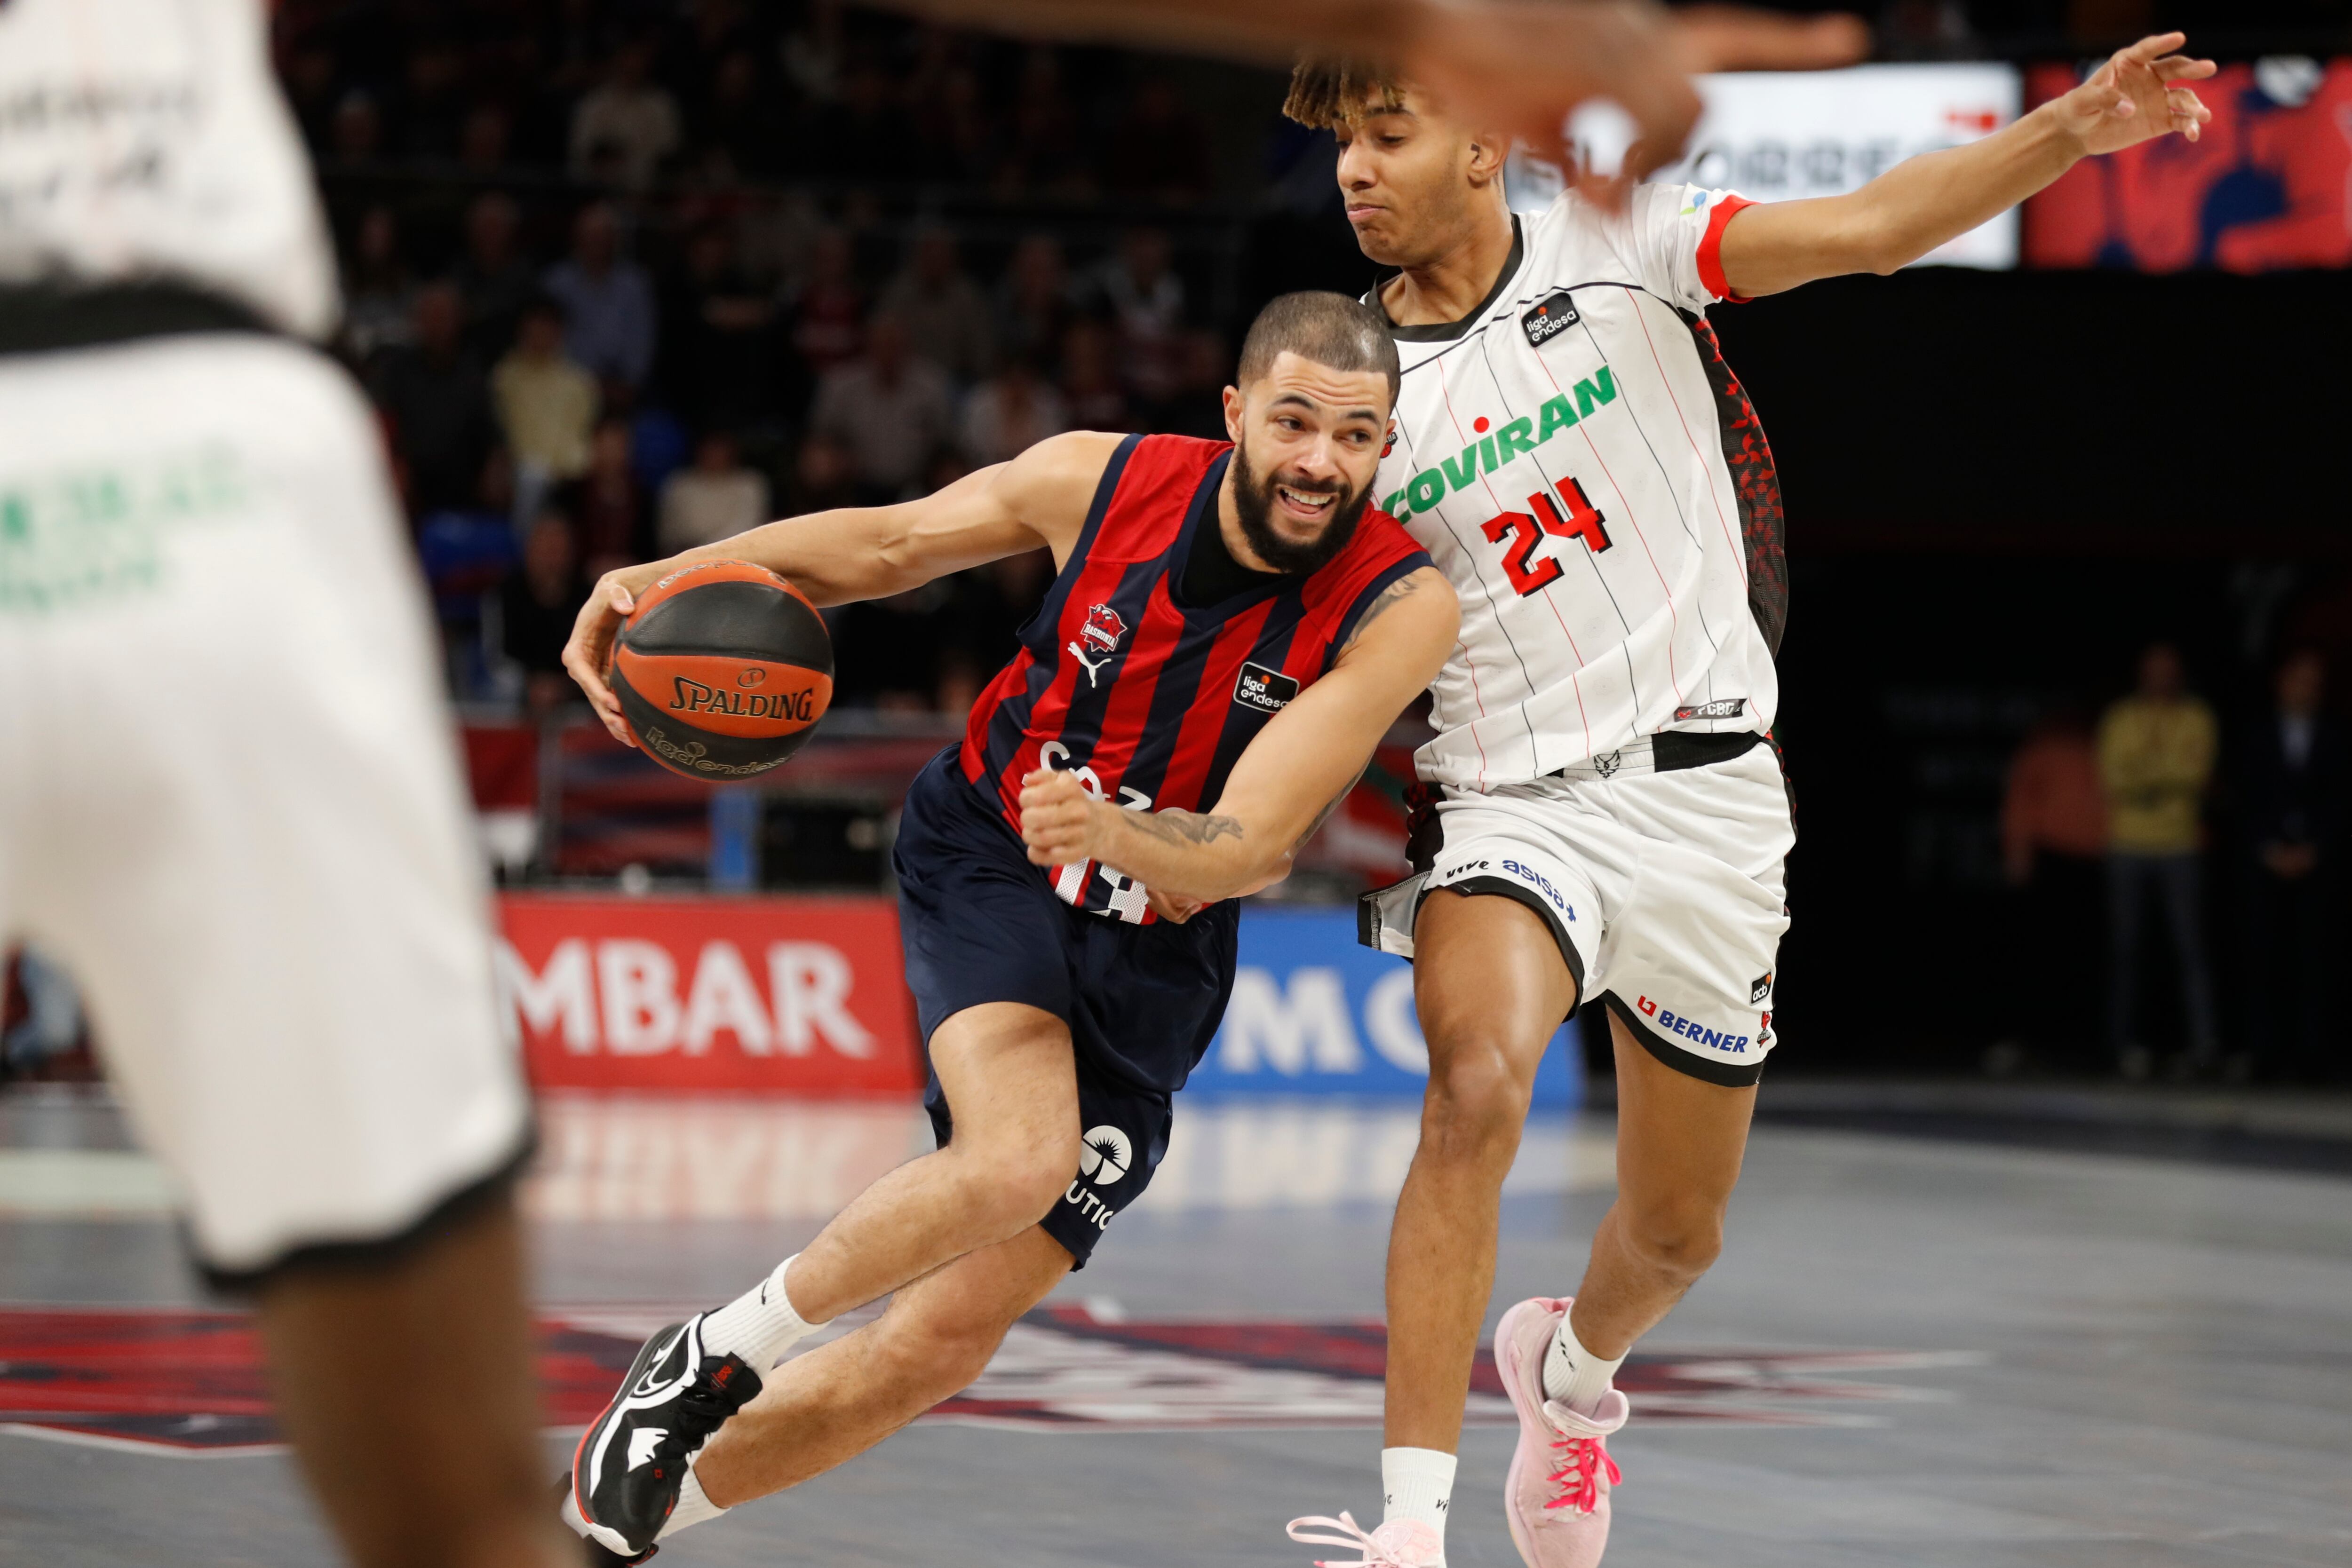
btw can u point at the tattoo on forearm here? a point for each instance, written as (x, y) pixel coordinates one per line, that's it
(1395, 593)
(1324, 815)
(1184, 827)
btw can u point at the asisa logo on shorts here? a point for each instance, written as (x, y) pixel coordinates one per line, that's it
(1267, 691)
(1675, 1024)
(1542, 884)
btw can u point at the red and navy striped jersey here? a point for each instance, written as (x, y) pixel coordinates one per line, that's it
(1150, 702)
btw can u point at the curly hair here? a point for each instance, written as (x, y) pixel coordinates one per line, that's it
(1330, 92)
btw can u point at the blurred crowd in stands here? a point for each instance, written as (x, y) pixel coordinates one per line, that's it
(2155, 823)
(623, 278)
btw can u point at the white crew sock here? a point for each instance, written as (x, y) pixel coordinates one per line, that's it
(1417, 1483)
(1573, 1375)
(693, 1507)
(759, 1325)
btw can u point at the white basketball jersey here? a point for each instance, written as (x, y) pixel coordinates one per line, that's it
(1577, 460)
(145, 140)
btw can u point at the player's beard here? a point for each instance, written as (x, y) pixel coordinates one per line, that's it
(1254, 503)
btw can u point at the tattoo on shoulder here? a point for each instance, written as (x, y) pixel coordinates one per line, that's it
(1186, 827)
(1394, 594)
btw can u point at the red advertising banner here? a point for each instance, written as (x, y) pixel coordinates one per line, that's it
(2263, 189)
(779, 995)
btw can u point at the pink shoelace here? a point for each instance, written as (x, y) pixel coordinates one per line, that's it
(1579, 1476)
(1355, 1536)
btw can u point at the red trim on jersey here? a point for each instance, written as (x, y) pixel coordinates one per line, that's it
(1710, 250)
(1131, 696)
(1204, 721)
(1011, 682)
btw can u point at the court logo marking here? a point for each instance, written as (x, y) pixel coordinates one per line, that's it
(190, 1383)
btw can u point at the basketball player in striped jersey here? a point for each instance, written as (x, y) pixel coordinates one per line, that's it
(1604, 820)
(1231, 631)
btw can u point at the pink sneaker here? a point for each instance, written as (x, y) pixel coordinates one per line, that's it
(1557, 1498)
(1399, 1543)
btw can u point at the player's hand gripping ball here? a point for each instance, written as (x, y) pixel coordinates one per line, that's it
(722, 670)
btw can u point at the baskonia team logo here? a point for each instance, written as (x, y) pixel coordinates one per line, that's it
(1103, 629)
(1100, 635)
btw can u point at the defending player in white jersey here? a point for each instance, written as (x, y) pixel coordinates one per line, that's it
(229, 798)
(1605, 819)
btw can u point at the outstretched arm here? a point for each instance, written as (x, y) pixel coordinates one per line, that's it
(1306, 757)
(1923, 202)
(1525, 63)
(1037, 500)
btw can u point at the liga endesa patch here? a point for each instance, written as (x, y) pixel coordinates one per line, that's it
(1550, 318)
(1267, 691)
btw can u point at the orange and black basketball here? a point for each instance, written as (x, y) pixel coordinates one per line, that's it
(723, 671)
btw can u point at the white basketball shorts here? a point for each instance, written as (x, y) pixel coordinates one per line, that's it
(229, 795)
(1664, 889)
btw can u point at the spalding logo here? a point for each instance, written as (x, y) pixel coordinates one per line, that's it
(747, 679)
(693, 696)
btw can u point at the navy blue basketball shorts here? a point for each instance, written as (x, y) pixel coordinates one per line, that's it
(1143, 1002)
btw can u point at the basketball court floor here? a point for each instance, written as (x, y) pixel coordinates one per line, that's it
(1915, 1351)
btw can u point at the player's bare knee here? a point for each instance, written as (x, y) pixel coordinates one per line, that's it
(1476, 1107)
(1680, 1242)
(1014, 1184)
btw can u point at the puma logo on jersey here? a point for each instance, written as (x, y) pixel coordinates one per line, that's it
(1550, 318)
(1101, 633)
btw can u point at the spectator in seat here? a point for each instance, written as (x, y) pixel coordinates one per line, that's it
(744, 116)
(1011, 412)
(431, 116)
(891, 409)
(485, 143)
(2294, 776)
(613, 520)
(438, 401)
(1046, 153)
(2156, 761)
(828, 309)
(824, 478)
(1160, 150)
(943, 309)
(1145, 298)
(1033, 302)
(492, 276)
(720, 338)
(714, 497)
(608, 304)
(379, 297)
(546, 401)
(1090, 382)
(628, 124)
(539, 605)
(865, 137)
(2054, 840)
(1196, 405)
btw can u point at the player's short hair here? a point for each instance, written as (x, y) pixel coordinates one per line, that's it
(1328, 329)
(1330, 92)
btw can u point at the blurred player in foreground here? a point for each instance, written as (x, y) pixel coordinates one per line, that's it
(1609, 822)
(229, 801)
(1231, 632)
